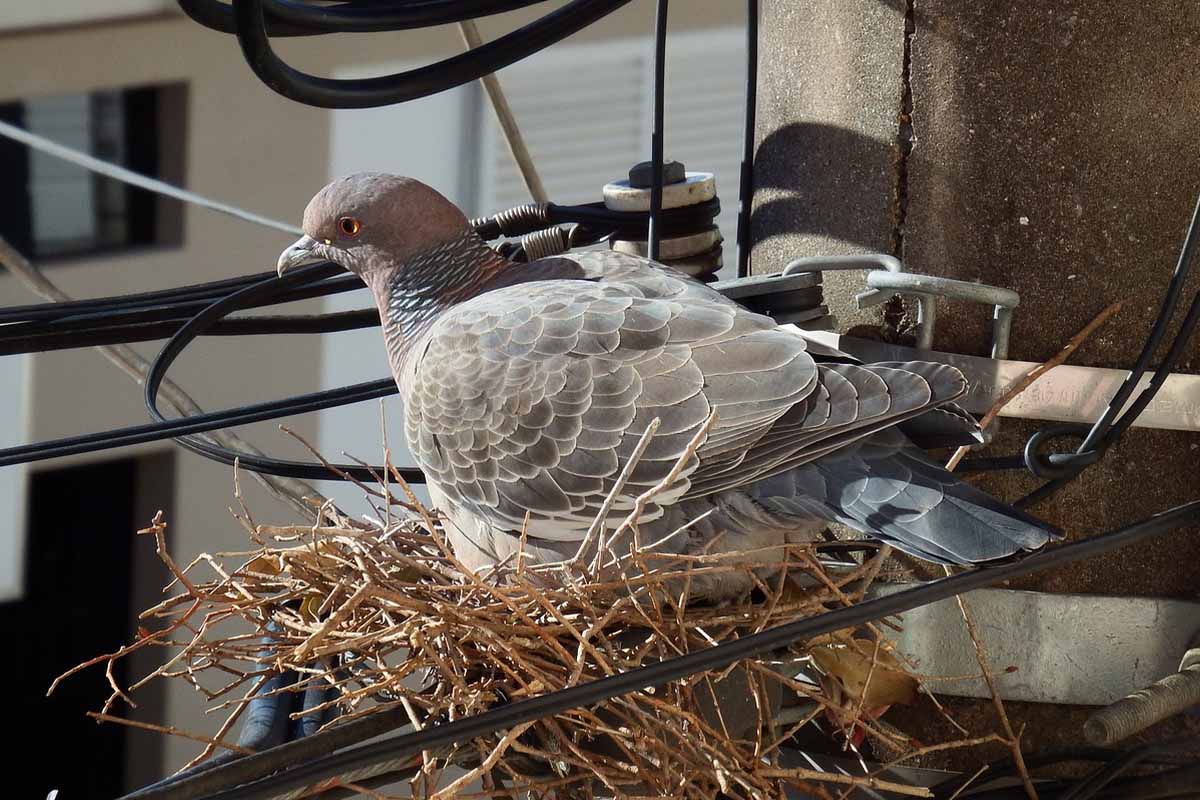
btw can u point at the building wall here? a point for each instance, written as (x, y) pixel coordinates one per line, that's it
(251, 147)
(252, 162)
(27, 16)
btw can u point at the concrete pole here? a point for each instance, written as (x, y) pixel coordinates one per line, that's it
(829, 99)
(1050, 148)
(1053, 148)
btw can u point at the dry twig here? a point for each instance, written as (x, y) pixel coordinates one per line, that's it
(369, 609)
(1030, 377)
(1011, 738)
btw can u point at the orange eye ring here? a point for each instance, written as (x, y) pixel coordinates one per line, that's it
(349, 226)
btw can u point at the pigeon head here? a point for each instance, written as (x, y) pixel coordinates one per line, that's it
(373, 224)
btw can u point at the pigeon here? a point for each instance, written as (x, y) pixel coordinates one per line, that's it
(527, 387)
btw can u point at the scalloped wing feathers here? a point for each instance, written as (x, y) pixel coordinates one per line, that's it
(530, 398)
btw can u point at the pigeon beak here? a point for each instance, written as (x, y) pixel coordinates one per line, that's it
(298, 254)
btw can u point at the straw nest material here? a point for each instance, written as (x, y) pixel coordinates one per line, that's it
(387, 615)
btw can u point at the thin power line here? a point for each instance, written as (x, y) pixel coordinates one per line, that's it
(119, 173)
(507, 120)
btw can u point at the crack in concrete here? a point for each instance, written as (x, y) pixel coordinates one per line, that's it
(894, 312)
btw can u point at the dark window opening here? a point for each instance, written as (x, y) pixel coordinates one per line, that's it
(81, 586)
(52, 209)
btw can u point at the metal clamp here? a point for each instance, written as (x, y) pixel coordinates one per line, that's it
(886, 277)
(863, 261)
(927, 288)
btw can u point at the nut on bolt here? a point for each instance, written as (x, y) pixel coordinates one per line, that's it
(641, 175)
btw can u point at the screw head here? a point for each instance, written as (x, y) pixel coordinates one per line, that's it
(641, 175)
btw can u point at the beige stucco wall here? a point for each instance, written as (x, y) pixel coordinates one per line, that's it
(245, 145)
(238, 149)
(28, 16)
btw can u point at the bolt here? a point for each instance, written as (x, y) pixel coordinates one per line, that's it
(641, 175)
(1167, 697)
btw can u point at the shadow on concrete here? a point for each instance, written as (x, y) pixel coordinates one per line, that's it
(825, 180)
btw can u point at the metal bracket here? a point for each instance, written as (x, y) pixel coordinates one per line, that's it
(1073, 649)
(927, 288)
(856, 261)
(887, 277)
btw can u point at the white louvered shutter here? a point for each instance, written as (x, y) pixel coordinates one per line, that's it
(585, 111)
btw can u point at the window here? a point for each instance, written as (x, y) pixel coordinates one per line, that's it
(52, 209)
(59, 623)
(585, 112)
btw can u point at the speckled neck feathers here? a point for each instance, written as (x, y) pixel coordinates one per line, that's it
(411, 297)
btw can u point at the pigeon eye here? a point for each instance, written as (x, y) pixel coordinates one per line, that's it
(349, 226)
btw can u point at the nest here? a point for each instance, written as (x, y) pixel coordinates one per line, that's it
(386, 615)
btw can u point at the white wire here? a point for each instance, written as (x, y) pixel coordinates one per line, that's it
(128, 176)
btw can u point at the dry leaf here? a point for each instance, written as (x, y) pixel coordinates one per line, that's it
(267, 564)
(310, 607)
(850, 665)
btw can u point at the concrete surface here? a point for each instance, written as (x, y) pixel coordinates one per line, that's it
(1055, 151)
(825, 164)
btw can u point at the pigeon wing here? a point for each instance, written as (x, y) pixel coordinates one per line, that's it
(531, 398)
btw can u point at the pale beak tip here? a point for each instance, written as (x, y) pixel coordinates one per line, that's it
(298, 253)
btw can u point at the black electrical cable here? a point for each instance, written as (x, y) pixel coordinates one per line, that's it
(1061, 468)
(163, 428)
(200, 423)
(656, 674)
(252, 295)
(1105, 774)
(144, 332)
(41, 311)
(110, 320)
(746, 176)
(45, 330)
(209, 317)
(1174, 354)
(174, 308)
(1180, 783)
(162, 314)
(387, 16)
(1164, 755)
(383, 90)
(653, 232)
(336, 736)
(301, 19)
(1179, 778)
(1170, 301)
